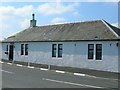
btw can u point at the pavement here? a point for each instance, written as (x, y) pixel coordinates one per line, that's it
(20, 76)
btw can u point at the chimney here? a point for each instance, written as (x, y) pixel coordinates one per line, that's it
(33, 21)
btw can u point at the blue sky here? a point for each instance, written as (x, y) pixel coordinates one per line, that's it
(16, 15)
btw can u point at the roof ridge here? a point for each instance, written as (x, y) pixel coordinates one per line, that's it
(69, 23)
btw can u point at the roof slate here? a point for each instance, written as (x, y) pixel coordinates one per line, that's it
(90, 30)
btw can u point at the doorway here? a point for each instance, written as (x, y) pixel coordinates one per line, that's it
(11, 52)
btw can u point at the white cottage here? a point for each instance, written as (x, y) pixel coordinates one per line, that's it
(89, 45)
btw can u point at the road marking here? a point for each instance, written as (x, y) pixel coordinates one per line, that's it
(52, 80)
(7, 71)
(59, 71)
(82, 85)
(30, 67)
(77, 84)
(79, 74)
(101, 77)
(19, 65)
(9, 63)
(1, 62)
(44, 69)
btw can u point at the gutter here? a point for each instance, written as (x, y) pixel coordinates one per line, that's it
(62, 41)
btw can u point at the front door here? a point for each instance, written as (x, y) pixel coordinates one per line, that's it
(11, 48)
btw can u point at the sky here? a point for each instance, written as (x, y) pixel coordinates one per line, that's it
(16, 16)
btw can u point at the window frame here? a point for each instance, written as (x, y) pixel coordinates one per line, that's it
(7, 49)
(90, 51)
(26, 49)
(22, 49)
(98, 52)
(60, 50)
(54, 50)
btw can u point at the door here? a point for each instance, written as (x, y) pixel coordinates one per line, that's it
(11, 49)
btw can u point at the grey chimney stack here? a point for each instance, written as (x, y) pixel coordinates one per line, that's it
(33, 21)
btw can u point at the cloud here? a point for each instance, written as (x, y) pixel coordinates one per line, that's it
(24, 11)
(59, 8)
(58, 20)
(13, 19)
(24, 23)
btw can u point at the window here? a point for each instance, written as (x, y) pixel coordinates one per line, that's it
(90, 51)
(98, 51)
(59, 50)
(6, 52)
(22, 49)
(26, 49)
(54, 50)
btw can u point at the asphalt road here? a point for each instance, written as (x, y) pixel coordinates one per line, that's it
(16, 76)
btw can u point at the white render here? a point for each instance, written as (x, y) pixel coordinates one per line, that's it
(75, 54)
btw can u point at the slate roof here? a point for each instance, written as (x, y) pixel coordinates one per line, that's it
(90, 30)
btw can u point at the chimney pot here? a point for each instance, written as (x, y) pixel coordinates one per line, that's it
(33, 16)
(33, 21)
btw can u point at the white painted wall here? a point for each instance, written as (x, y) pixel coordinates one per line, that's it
(4, 56)
(74, 55)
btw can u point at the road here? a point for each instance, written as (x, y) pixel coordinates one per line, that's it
(17, 76)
